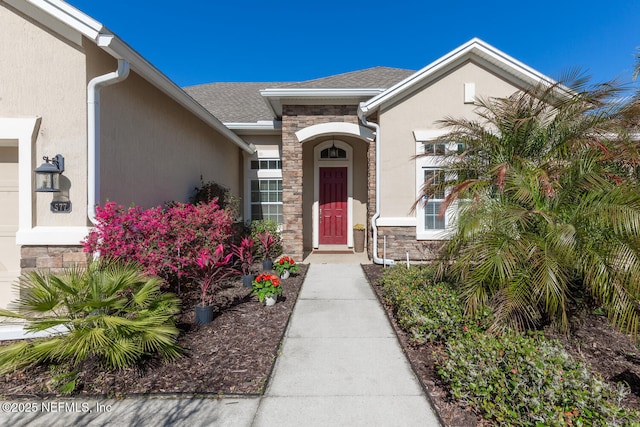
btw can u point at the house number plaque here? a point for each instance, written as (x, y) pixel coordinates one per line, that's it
(60, 207)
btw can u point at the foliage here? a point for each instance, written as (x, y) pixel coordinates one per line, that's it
(548, 206)
(266, 285)
(271, 227)
(111, 312)
(526, 380)
(427, 310)
(212, 269)
(267, 245)
(358, 227)
(165, 242)
(286, 263)
(244, 255)
(213, 192)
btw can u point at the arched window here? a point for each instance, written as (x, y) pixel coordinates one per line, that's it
(333, 152)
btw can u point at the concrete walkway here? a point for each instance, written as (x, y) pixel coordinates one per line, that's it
(340, 365)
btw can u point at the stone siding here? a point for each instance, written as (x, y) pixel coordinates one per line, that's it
(295, 118)
(51, 258)
(401, 240)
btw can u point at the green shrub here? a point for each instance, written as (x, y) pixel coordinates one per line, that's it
(273, 228)
(110, 312)
(427, 310)
(526, 380)
(209, 191)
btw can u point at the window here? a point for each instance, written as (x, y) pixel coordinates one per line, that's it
(263, 187)
(333, 152)
(437, 149)
(268, 164)
(432, 218)
(266, 199)
(429, 167)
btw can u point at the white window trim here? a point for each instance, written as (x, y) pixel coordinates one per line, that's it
(317, 164)
(431, 162)
(253, 174)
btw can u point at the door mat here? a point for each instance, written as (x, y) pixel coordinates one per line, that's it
(332, 252)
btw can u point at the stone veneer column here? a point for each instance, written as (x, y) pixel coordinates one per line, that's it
(295, 118)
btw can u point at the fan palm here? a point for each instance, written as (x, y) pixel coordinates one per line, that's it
(112, 312)
(548, 206)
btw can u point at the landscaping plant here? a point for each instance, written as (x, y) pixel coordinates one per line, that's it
(268, 244)
(244, 255)
(286, 263)
(548, 206)
(272, 228)
(266, 285)
(108, 311)
(427, 310)
(213, 268)
(165, 242)
(527, 380)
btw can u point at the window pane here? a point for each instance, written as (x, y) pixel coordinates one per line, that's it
(255, 164)
(432, 220)
(266, 199)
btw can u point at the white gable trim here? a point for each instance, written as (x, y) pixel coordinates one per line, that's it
(336, 128)
(474, 47)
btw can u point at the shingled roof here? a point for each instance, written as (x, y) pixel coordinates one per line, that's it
(242, 102)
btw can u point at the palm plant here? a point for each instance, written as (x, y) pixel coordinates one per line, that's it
(112, 312)
(548, 206)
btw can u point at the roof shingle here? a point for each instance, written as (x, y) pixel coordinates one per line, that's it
(242, 102)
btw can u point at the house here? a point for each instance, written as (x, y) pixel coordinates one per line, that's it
(340, 150)
(127, 133)
(317, 156)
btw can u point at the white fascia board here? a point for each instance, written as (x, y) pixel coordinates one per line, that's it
(67, 14)
(256, 128)
(474, 46)
(273, 97)
(319, 93)
(117, 48)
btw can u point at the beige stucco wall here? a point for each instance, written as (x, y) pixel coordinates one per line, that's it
(43, 75)
(153, 150)
(420, 111)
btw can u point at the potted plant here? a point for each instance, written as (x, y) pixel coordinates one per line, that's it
(212, 268)
(285, 266)
(244, 255)
(268, 245)
(358, 237)
(267, 287)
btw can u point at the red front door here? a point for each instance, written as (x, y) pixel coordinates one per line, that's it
(333, 206)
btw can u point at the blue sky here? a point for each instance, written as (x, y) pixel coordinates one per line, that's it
(201, 41)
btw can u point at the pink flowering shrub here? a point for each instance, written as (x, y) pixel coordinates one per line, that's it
(165, 242)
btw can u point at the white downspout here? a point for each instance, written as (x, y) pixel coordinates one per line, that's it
(93, 132)
(376, 215)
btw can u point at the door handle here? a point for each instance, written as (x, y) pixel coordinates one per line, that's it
(320, 214)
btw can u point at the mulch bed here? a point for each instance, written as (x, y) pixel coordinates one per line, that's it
(609, 353)
(232, 355)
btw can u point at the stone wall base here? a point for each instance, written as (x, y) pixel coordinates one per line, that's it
(52, 259)
(401, 240)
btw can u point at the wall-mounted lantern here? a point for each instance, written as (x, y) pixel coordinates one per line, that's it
(48, 174)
